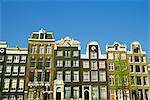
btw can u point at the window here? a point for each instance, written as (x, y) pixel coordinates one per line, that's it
(86, 76)
(30, 95)
(138, 79)
(5, 97)
(110, 56)
(16, 59)
(102, 76)
(145, 80)
(111, 66)
(130, 59)
(131, 68)
(116, 56)
(59, 53)
(93, 65)
(101, 64)
(47, 74)
(59, 63)
(6, 84)
(76, 92)
(75, 53)
(76, 76)
(59, 75)
(39, 74)
(9, 59)
(1, 68)
(31, 76)
(22, 70)
(20, 97)
(67, 92)
(111, 80)
(68, 76)
(67, 63)
(23, 59)
(137, 68)
(95, 93)
(136, 50)
(34, 49)
(32, 63)
(136, 58)
(15, 70)
(76, 63)
(8, 70)
(94, 75)
(1, 58)
(48, 62)
(132, 80)
(48, 49)
(85, 64)
(12, 97)
(21, 85)
(40, 64)
(144, 68)
(41, 49)
(103, 92)
(123, 56)
(67, 53)
(93, 55)
(14, 85)
(143, 59)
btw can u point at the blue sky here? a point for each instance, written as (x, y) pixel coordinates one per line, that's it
(105, 21)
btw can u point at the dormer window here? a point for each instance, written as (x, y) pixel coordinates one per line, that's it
(48, 36)
(41, 35)
(35, 36)
(136, 50)
(116, 46)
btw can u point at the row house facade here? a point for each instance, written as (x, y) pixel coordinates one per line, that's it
(12, 69)
(138, 72)
(67, 84)
(118, 71)
(94, 73)
(40, 66)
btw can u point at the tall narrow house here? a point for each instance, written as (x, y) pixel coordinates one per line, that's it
(94, 73)
(40, 67)
(67, 84)
(12, 67)
(138, 72)
(118, 71)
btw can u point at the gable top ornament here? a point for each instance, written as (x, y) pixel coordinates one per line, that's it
(67, 42)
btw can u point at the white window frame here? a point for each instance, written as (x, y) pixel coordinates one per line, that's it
(76, 76)
(85, 64)
(9, 59)
(16, 59)
(59, 63)
(6, 84)
(75, 63)
(21, 85)
(33, 49)
(93, 55)
(86, 76)
(15, 70)
(1, 68)
(94, 76)
(59, 53)
(95, 93)
(102, 64)
(67, 76)
(123, 56)
(110, 56)
(67, 92)
(59, 75)
(68, 63)
(13, 85)
(102, 76)
(48, 49)
(111, 66)
(8, 70)
(22, 71)
(76, 92)
(103, 92)
(94, 65)
(23, 59)
(75, 53)
(41, 49)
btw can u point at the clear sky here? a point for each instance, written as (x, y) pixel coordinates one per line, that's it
(105, 21)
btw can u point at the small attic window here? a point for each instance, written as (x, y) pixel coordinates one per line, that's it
(35, 36)
(136, 50)
(116, 46)
(41, 35)
(48, 36)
